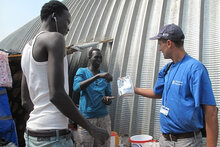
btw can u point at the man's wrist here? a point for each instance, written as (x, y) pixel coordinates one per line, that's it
(91, 129)
(97, 77)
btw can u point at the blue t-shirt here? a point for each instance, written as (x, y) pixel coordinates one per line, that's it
(90, 103)
(184, 89)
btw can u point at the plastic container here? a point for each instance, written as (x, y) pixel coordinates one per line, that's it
(141, 141)
(125, 86)
(114, 139)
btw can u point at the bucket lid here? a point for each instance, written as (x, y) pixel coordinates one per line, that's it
(140, 139)
(114, 133)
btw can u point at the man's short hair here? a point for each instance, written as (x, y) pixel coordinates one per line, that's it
(51, 7)
(93, 49)
(177, 43)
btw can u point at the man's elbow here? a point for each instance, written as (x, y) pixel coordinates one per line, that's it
(23, 104)
(76, 87)
(56, 96)
(158, 96)
(215, 112)
(54, 99)
(28, 107)
(211, 114)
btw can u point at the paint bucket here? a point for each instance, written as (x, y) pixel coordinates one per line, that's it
(141, 140)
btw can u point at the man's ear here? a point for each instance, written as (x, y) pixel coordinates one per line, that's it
(54, 17)
(169, 43)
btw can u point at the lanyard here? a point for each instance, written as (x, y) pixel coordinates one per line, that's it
(170, 81)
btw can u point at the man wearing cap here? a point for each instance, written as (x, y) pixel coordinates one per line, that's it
(186, 92)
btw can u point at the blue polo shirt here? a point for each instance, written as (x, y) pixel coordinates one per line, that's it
(90, 103)
(184, 89)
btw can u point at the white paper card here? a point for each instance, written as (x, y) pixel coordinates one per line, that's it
(164, 110)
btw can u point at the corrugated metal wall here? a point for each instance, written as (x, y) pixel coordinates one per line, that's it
(130, 23)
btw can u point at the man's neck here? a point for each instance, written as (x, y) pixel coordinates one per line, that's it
(179, 55)
(94, 70)
(45, 27)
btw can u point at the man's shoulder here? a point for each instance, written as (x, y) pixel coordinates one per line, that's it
(53, 41)
(47, 42)
(194, 64)
(102, 71)
(82, 70)
(49, 37)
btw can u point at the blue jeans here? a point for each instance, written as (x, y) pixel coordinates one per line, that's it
(57, 141)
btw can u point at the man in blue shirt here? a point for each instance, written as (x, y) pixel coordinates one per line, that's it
(95, 93)
(186, 92)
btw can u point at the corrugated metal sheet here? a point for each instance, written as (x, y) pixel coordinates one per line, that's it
(130, 23)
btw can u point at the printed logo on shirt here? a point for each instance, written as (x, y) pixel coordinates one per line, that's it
(179, 83)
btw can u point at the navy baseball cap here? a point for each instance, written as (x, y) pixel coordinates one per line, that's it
(170, 32)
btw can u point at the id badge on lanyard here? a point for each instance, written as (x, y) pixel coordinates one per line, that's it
(164, 110)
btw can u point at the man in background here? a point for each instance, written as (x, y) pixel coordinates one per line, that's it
(95, 94)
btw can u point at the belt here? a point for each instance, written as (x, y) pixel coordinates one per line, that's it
(175, 136)
(3, 92)
(5, 117)
(48, 133)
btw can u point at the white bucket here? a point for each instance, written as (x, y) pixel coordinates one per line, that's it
(141, 140)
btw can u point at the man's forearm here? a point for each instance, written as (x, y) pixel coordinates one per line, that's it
(146, 92)
(86, 83)
(63, 102)
(212, 128)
